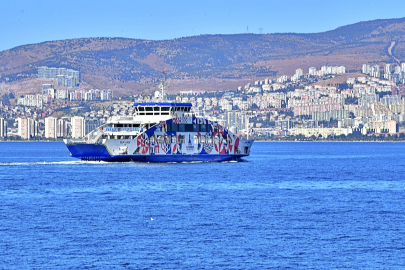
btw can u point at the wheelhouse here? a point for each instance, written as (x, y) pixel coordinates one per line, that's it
(165, 108)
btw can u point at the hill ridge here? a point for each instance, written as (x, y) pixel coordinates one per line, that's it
(208, 61)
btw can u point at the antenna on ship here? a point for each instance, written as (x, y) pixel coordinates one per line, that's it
(163, 85)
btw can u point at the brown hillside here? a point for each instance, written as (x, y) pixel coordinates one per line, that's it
(209, 62)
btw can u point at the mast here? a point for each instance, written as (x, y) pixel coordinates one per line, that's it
(163, 85)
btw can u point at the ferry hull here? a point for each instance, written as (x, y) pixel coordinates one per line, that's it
(186, 158)
(100, 153)
(88, 151)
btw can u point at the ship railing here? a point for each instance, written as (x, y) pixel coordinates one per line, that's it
(95, 135)
(117, 118)
(74, 140)
(122, 129)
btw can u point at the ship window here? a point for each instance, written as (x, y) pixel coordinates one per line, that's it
(156, 109)
(149, 113)
(196, 128)
(203, 128)
(189, 127)
(182, 139)
(164, 128)
(141, 109)
(209, 139)
(159, 139)
(167, 139)
(174, 139)
(171, 127)
(217, 139)
(165, 113)
(196, 139)
(182, 127)
(165, 109)
(149, 109)
(156, 113)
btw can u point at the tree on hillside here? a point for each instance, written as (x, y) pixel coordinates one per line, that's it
(5, 99)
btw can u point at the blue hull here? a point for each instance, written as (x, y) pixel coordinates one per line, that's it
(186, 158)
(87, 151)
(99, 152)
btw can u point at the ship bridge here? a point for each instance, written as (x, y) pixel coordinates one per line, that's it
(171, 109)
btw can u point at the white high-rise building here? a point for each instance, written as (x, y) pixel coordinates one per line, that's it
(27, 128)
(387, 68)
(387, 72)
(3, 128)
(62, 128)
(50, 127)
(376, 71)
(299, 73)
(23, 128)
(78, 127)
(365, 69)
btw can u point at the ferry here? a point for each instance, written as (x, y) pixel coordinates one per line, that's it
(160, 132)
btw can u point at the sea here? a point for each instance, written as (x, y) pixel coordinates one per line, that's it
(290, 205)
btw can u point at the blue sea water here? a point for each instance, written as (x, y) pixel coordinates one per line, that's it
(287, 206)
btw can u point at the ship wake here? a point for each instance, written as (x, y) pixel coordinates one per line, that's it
(38, 163)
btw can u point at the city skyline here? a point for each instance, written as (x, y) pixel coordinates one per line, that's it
(360, 106)
(159, 20)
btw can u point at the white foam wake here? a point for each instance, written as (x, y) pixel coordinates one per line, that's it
(74, 162)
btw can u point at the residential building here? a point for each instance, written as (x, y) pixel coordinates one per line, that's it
(62, 128)
(3, 128)
(50, 128)
(77, 127)
(27, 128)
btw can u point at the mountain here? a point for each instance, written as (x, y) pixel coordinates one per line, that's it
(212, 62)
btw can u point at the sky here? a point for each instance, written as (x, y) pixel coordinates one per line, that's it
(33, 21)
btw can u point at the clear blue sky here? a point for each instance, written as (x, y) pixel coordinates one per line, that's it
(33, 21)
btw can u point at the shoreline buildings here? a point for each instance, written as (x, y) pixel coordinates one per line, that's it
(298, 105)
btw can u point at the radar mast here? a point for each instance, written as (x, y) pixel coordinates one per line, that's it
(163, 86)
